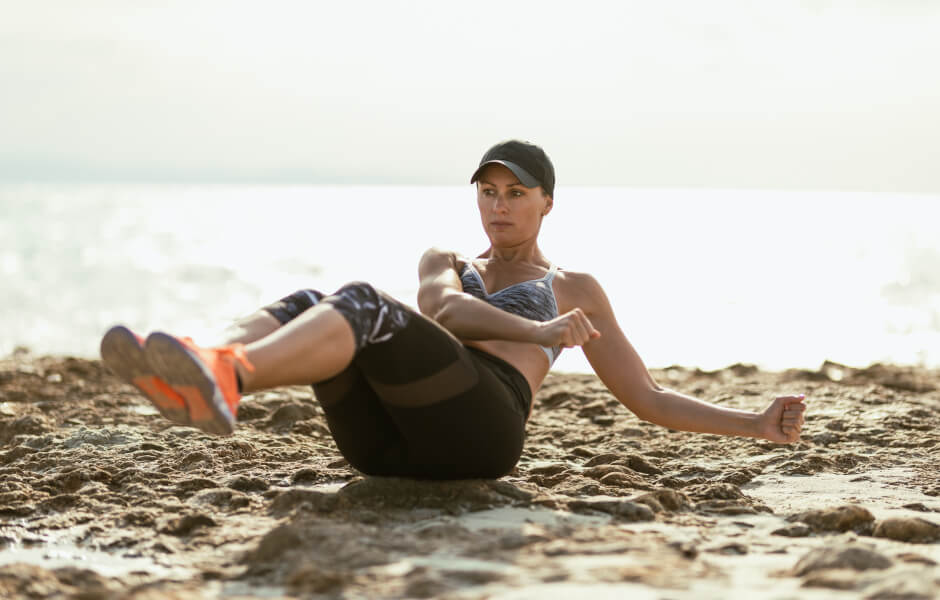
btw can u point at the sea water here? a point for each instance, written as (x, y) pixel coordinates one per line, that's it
(698, 278)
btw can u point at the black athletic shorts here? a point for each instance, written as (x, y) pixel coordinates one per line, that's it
(414, 401)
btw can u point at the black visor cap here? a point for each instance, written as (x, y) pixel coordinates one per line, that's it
(528, 163)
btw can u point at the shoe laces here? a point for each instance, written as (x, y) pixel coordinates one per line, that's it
(236, 352)
(232, 352)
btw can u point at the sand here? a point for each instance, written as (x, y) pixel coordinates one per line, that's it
(102, 498)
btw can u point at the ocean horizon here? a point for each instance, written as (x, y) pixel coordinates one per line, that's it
(700, 278)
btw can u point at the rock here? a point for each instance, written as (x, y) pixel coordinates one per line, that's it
(664, 500)
(287, 415)
(117, 436)
(305, 475)
(910, 557)
(825, 438)
(676, 483)
(918, 506)
(908, 529)
(26, 425)
(229, 450)
(304, 499)
(556, 400)
(600, 471)
(624, 509)
(715, 491)
(603, 459)
(139, 518)
(61, 502)
(910, 585)
(20, 580)
(186, 524)
(86, 582)
(728, 508)
(686, 548)
(795, 530)
(641, 465)
(275, 543)
(850, 517)
(188, 486)
(314, 579)
(622, 480)
(195, 459)
(247, 484)
(425, 585)
(549, 469)
(734, 477)
(846, 556)
(729, 549)
(833, 579)
(221, 498)
(593, 409)
(250, 411)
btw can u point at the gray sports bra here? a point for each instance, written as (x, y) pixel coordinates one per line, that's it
(533, 299)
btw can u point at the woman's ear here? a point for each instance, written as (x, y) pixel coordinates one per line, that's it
(549, 203)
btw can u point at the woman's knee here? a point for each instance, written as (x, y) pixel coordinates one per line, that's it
(374, 316)
(290, 307)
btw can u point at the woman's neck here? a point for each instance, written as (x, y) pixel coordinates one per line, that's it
(526, 252)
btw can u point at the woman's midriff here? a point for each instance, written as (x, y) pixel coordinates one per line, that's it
(529, 359)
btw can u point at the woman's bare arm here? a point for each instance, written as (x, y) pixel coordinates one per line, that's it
(441, 297)
(620, 368)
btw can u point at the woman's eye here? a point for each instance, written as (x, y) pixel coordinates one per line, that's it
(516, 193)
(489, 192)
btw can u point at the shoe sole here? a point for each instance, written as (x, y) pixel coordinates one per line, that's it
(192, 380)
(122, 353)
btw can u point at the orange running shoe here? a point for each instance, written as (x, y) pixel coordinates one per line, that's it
(122, 351)
(204, 377)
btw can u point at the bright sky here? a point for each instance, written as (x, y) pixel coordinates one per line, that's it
(813, 94)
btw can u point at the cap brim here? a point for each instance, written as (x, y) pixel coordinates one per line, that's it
(521, 174)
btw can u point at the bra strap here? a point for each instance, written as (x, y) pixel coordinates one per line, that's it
(551, 273)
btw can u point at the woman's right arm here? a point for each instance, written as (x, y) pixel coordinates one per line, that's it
(441, 297)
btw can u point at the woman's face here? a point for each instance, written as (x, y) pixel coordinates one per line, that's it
(511, 213)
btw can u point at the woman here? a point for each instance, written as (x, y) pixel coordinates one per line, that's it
(444, 393)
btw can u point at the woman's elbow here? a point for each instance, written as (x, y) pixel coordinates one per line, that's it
(445, 313)
(643, 403)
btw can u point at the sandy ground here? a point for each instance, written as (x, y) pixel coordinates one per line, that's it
(101, 498)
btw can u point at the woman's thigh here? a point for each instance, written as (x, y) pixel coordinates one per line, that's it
(459, 419)
(364, 431)
(417, 402)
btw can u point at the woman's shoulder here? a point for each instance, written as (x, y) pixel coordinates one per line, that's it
(576, 279)
(439, 256)
(577, 289)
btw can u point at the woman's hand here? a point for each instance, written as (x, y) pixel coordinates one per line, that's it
(568, 330)
(782, 421)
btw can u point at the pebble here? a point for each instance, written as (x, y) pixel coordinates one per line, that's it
(910, 585)
(833, 579)
(908, 529)
(846, 556)
(794, 530)
(849, 517)
(630, 511)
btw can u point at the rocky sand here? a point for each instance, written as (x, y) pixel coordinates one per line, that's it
(102, 498)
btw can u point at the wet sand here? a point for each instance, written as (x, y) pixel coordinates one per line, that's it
(102, 498)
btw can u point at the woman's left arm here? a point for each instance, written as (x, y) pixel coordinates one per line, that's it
(621, 369)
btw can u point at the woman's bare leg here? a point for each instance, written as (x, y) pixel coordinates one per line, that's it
(250, 329)
(315, 346)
